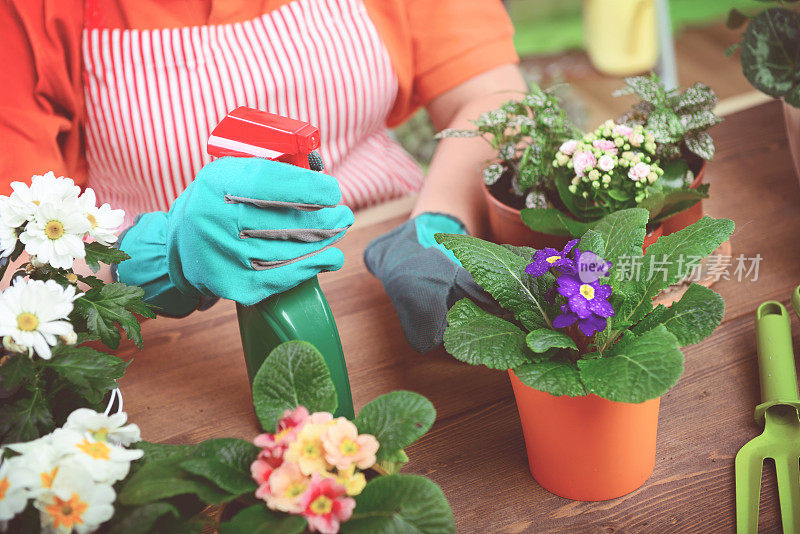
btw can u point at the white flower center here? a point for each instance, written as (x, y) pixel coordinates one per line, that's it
(587, 291)
(54, 230)
(27, 322)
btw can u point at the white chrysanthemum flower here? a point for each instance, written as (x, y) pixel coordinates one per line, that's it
(75, 503)
(111, 428)
(34, 313)
(103, 220)
(22, 202)
(15, 481)
(104, 461)
(8, 238)
(55, 235)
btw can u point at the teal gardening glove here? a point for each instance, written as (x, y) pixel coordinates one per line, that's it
(244, 229)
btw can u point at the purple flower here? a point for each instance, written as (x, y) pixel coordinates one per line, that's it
(549, 258)
(587, 303)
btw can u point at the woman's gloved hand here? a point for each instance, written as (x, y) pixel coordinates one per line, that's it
(421, 277)
(244, 229)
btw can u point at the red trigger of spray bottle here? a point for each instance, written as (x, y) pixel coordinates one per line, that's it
(301, 312)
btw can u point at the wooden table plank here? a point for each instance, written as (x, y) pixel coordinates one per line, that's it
(189, 382)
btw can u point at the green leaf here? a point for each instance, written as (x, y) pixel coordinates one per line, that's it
(669, 259)
(164, 478)
(771, 51)
(665, 125)
(16, 370)
(397, 420)
(697, 97)
(486, 340)
(691, 319)
(675, 176)
(644, 368)
(544, 339)
(462, 311)
(583, 209)
(700, 120)
(647, 88)
(553, 221)
(97, 253)
(556, 377)
(27, 419)
(393, 462)
(502, 273)
(701, 143)
(90, 372)
(401, 504)
(141, 519)
(226, 463)
(294, 374)
(678, 201)
(113, 304)
(258, 519)
(622, 234)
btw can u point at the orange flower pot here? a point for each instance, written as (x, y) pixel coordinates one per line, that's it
(587, 448)
(506, 226)
(693, 214)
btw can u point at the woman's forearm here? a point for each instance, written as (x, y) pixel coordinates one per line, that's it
(454, 182)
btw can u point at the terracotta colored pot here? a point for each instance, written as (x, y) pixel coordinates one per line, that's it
(587, 448)
(506, 226)
(695, 213)
(791, 117)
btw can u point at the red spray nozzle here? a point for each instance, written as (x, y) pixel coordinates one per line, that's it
(250, 132)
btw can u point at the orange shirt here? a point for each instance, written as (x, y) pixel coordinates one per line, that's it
(434, 45)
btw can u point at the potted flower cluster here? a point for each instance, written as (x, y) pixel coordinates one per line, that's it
(50, 313)
(679, 121)
(769, 51)
(311, 472)
(526, 135)
(564, 182)
(588, 355)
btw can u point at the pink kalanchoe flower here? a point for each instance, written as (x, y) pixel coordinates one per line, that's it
(605, 145)
(285, 489)
(639, 171)
(605, 163)
(344, 447)
(326, 505)
(636, 139)
(568, 147)
(622, 129)
(582, 160)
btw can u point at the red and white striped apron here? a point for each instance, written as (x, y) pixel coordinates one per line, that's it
(153, 96)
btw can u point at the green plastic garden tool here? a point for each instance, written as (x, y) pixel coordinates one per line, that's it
(301, 312)
(779, 412)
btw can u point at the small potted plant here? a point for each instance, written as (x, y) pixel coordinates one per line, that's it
(769, 51)
(679, 122)
(588, 355)
(526, 135)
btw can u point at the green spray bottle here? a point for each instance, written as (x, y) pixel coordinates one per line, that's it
(303, 311)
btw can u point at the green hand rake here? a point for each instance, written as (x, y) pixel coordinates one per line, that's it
(779, 412)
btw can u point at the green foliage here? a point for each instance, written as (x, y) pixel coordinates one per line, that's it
(678, 119)
(397, 420)
(97, 253)
(258, 519)
(553, 221)
(400, 504)
(294, 374)
(771, 54)
(103, 308)
(637, 357)
(26, 419)
(526, 134)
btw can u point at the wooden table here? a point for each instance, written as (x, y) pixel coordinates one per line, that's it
(189, 382)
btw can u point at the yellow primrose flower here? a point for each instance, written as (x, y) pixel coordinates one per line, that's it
(307, 451)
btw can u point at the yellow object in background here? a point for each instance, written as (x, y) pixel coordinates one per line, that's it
(621, 36)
